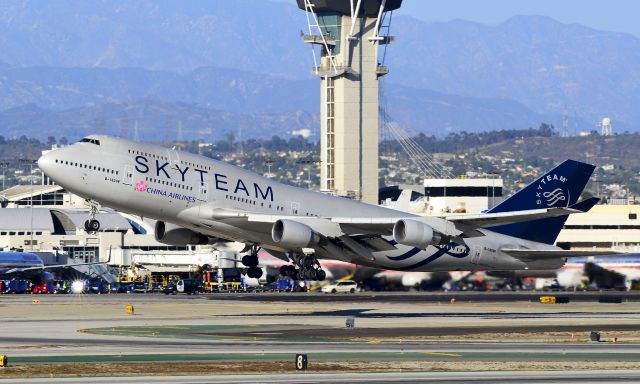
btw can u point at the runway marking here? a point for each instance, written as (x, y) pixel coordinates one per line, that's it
(443, 354)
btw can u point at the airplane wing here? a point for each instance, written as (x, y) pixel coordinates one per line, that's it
(487, 220)
(346, 233)
(533, 254)
(59, 266)
(454, 225)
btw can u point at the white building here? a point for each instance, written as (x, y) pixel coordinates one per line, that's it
(462, 195)
(603, 227)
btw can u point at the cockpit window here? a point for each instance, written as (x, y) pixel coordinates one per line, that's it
(92, 141)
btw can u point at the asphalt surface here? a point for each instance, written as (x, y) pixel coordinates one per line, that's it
(424, 297)
(251, 327)
(547, 377)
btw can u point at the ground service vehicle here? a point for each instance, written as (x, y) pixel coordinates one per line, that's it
(342, 286)
(189, 286)
(170, 288)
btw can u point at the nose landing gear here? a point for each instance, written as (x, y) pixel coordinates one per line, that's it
(92, 225)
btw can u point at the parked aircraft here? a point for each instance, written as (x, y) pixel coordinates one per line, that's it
(28, 264)
(14, 262)
(195, 198)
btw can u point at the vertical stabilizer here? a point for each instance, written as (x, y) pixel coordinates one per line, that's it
(559, 187)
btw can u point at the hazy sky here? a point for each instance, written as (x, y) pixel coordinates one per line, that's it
(608, 15)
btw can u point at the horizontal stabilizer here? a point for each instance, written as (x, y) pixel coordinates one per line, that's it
(546, 254)
(585, 205)
(486, 220)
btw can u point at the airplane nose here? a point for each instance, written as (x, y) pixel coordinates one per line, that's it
(44, 162)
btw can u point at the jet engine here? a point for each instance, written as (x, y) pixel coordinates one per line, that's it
(172, 234)
(293, 234)
(416, 234)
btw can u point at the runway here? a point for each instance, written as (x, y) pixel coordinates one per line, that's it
(427, 297)
(215, 333)
(604, 377)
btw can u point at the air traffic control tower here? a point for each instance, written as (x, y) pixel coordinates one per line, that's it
(348, 35)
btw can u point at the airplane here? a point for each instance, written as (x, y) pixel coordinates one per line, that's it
(30, 265)
(621, 272)
(14, 262)
(195, 198)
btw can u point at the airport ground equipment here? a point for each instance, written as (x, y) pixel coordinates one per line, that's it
(554, 300)
(4, 361)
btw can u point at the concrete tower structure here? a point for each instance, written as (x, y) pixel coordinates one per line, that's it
(349, 67)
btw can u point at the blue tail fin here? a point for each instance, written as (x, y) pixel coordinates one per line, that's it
(559, 187)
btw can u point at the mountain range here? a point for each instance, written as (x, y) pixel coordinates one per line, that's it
(215, 67)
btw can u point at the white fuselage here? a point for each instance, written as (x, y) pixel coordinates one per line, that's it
(203, 195)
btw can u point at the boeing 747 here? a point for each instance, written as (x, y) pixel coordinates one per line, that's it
(197, 200)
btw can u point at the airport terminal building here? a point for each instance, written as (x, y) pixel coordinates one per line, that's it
(50, 221)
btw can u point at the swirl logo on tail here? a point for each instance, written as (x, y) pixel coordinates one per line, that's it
(554, 196)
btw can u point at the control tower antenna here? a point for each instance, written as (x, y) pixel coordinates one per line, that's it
(346, 36)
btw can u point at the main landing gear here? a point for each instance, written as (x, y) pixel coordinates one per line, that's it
(92, 225)
(308, 269)
(251, 261)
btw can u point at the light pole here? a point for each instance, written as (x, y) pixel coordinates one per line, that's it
(4, 164)
(31, 162)
(269, 163)
(308, 162)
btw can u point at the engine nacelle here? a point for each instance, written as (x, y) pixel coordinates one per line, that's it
(415, 234)
(172, 234)
(293, 234)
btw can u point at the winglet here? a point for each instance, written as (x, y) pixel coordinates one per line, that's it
(585, 205)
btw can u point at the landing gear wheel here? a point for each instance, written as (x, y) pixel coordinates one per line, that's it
(288, 270)
(321, 275)
(313, 274)
(250, 260)
(92, 225)
(254, 273)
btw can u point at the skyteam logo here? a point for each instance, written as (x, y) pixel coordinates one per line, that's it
(552, 191)
(554, 196)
